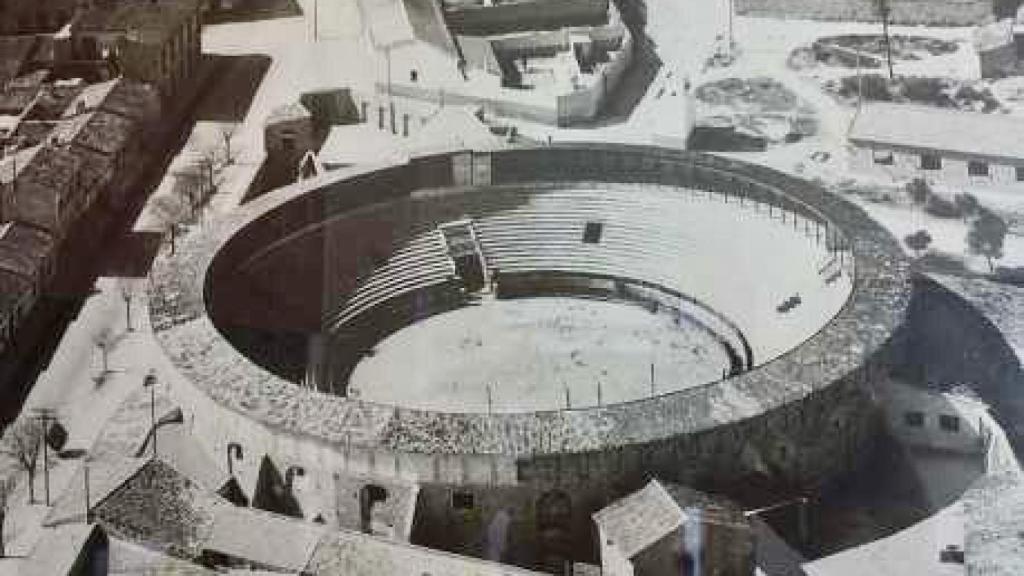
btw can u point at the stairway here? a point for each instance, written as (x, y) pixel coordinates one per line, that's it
(466, 255)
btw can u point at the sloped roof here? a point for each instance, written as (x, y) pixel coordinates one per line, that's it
(428, 24)
(386, 22)
(179, 449)
(940, 130)
(152, 20)
(57, 551)
(637, 521)
(97, 130)
(350, 553)
(128, 559)
(104, 477)
(14, 164)
(293, 111)
(14, 51)
(23, 248)
(358, 144)
(264, 538)
(13, 287)
(994, 35)
(392, 22)
(454, 128)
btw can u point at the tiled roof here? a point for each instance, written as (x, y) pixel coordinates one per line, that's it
(23, 248)
(152, 21)
(123, 97)
(14, 164)
(51, 167)
(13, 288)
(98, 130)
(14, 51)
(637, 521)
(18, 94)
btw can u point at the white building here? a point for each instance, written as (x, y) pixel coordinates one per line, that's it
(941, 146)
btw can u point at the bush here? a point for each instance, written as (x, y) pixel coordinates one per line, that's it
(918, 241)
(967, 204)
(985, 236)
(919, 190)
(942, 208)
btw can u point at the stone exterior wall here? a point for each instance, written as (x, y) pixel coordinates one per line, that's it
(794, 423)
(910, 12)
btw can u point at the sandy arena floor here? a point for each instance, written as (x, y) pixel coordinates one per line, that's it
(529, 351)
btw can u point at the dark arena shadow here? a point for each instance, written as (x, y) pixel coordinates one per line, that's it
(251, 11)
(232, 92)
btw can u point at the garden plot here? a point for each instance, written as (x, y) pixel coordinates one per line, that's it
(761, 105)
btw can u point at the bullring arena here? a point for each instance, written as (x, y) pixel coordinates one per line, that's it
(508, 325)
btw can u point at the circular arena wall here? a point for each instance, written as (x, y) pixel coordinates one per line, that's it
(794, 421)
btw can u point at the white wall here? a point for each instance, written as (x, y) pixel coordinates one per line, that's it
(907, 165)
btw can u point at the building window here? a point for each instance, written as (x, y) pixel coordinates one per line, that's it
(931, 162)
(949, 423)
(1020, 169)
(883, 157)
(913, 419)
(592, 232)
(976, 168)
(462, 500)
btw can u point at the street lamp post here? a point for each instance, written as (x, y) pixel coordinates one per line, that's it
(45, 416)
(234, 453)
(150, 382)
(88, 503)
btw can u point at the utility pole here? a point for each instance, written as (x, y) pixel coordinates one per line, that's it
(45, 416)
(150, 382)
(652, 379)
(731, 9)
(88, 503)
(316, 28)
(885, 10)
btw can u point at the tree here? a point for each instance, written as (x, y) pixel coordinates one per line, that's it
(967, 205)
(171, 214)
(6, 490)
(985, 237)
(104, 341)
(919, 190)
(918, 241)
(227, 132)
(128, 288)
(22, 440)
(207, 166)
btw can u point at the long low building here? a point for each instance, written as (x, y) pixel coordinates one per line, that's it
(944, 146)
